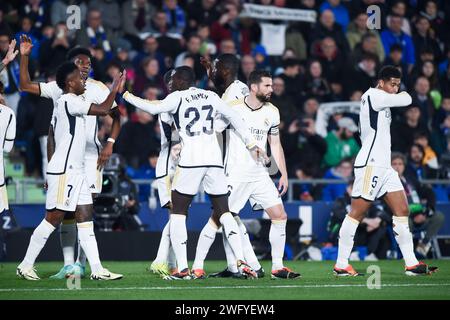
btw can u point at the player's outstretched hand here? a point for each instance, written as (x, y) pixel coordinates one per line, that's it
(123, 81)
(206, 63)
(25, 45)
(11, 54)
(259, 155)
(283, 185)
(117, 82)
(104, 156)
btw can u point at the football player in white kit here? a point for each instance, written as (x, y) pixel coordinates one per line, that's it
(7, 136)
(374, 176)
(194, 111)
(249, 180)
(223, 72)
(95, 156)
(165, 263)
(68, 189)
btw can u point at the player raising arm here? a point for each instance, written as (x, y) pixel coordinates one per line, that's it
(95, 155)
(68, 190)
(374, 176)
(200, 162)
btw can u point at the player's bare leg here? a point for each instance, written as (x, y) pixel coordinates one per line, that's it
(277, 238)
(88, 242)
(398, 204)
(347, 234)
(37, 241)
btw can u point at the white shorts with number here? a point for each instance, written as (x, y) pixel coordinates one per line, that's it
(261, 193)
(188, 180)
(164, 191)
(3, 199)
(93, 175)
(374, 182)
(66, 191)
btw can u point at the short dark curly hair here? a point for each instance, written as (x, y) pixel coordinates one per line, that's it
(63, 71)
(77, 51)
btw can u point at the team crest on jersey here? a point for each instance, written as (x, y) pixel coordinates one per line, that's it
(388, 113)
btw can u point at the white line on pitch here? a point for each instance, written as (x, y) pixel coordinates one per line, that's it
(231, 287)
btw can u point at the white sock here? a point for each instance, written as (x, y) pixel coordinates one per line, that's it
(231, 259)
(346, 236)
(164, 244)
(404, 240)
(37, 242)
(171, 259)
(81, 259)
(249, 253)
(205, 241)
(89, 244)
(277, 238)
(68, 238)
(232, 233)
(178, 238)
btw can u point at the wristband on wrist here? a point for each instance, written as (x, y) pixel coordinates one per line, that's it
(111, 140)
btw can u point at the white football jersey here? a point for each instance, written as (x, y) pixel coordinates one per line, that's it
(194, 111)
(7, 136)
(165, 165)
(70, 134)
(374, 125)
(96, 92)
(236, 90)
(239, 164)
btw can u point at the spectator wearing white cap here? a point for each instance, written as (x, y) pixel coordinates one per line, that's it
(341, 143)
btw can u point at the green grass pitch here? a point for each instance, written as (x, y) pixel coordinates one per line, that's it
(317, 282)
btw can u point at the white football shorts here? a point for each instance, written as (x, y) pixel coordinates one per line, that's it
(188, 180)
(374, 182)
(93, 175)
(3, 199)
(164, 191)
(262, 194)
(66, 191)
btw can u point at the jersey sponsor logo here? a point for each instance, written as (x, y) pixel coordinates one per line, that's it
(258, 134)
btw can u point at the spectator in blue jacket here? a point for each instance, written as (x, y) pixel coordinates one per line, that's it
(340, 12)
(176, 17)
(395, 35)
(342, 171)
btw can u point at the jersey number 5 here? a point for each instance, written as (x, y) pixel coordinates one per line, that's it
(206, 129)
(374, 181)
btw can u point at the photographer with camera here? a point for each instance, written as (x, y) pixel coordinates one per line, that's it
(302, 145)
(422, 205)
